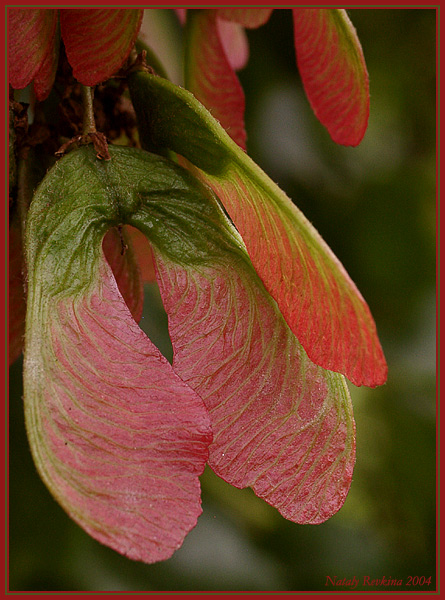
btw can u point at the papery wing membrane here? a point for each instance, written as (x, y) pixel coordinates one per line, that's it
(319, 301)
(117, 436)
(281, 424)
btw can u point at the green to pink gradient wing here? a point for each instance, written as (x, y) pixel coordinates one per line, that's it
(320, 303)
(32, 49)
(215, 47)
(125, 270)
(116, 435)
(210, 76)
(98, 41)
(281, 425)
(333, 70)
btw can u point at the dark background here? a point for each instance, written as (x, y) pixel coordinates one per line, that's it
(375, 205)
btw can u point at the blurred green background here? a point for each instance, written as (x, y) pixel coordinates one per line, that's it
(375, 205)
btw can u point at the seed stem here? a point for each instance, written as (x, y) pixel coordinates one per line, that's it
(89, 125)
